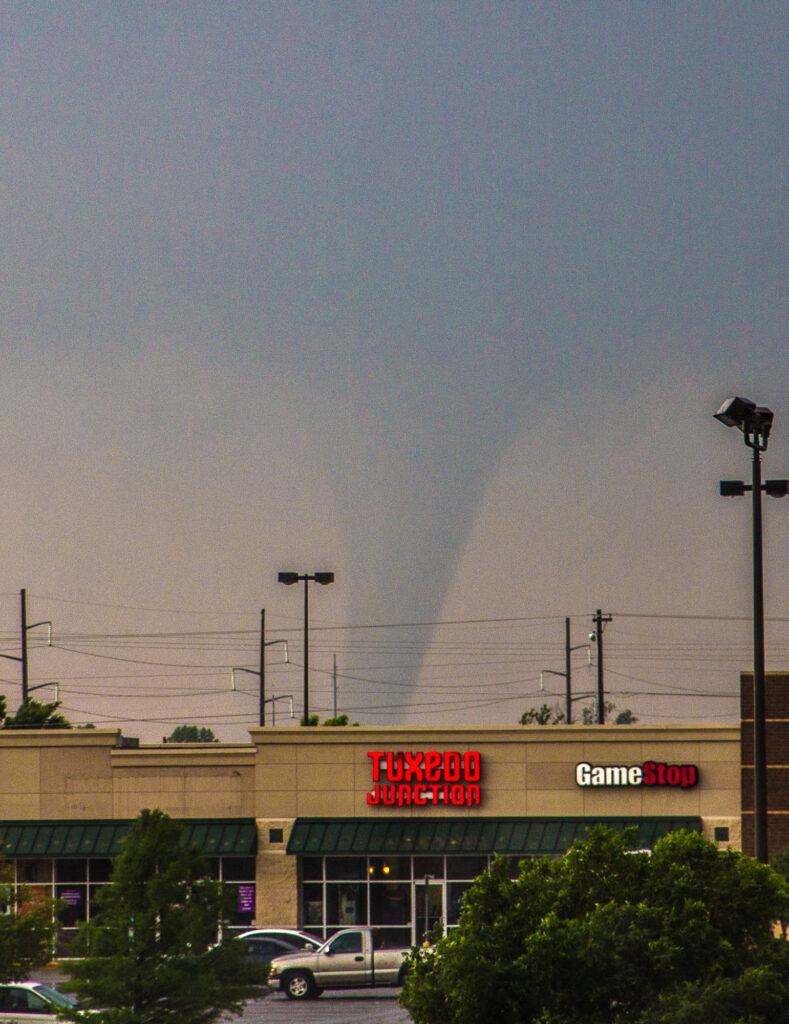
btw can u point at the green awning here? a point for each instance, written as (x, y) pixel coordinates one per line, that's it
(525, 837)
(235, 837)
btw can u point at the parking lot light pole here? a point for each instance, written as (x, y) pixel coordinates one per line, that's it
(323, 579)
(755, 422)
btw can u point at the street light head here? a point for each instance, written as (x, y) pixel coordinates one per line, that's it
(755, 421)
(324, 578)
(733, 488)
(288, 578)
(777, 488)
(735, 412)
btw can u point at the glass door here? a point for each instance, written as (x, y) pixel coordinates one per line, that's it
(429, 907)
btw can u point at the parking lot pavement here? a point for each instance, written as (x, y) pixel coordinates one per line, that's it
(365, 1006)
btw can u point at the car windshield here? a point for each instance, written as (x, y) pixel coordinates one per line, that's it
(53, 996)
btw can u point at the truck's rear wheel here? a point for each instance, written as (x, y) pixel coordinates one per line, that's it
(300, 985)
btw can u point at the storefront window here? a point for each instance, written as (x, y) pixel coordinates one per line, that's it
(100, 869)
(312, 895)
(466, 867)
(74, 898)
(94, 893)
(388, 893)
(346, 903)
(240, 904)
(346, 868)
(428, 866)
(71, 870)
(312, 869)
(455, 893)
(390, 903)
(30, 871)
(515, 866)
(390, 869)
(238, 869)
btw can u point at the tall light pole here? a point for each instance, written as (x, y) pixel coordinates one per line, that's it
(324, 579)
(755, 422)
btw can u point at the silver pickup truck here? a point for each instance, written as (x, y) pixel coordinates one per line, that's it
(352, 958)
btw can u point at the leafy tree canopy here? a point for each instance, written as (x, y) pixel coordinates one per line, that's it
(546, 715)
(606, 936)
(626, 717)
(27, 929)
(315, 720)
(33, 715)
(151, 953)
(191, 734)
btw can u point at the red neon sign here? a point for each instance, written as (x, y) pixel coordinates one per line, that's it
(401, 778)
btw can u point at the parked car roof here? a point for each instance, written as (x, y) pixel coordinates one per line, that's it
(296, 938)
(26, 998)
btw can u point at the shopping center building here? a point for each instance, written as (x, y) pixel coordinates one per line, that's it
(322, 828)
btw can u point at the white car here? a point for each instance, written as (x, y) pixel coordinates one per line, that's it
(294, 938)
(30, 1002)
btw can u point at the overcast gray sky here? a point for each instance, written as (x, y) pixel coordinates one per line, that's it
(441, 297)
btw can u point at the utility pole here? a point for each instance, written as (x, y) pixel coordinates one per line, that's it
(23, 658)
(334, 682)
(569, 689)
(567, 674)
(23, 597)
(599, 622)
(261, 671)
(263, 668)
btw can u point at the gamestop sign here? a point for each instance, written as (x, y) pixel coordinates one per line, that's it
(423, 778)
(650, 773)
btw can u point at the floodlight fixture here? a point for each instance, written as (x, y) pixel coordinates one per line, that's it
(755, 421)
(288, 578)
(776, 488)
(733, 488)
(735, 411)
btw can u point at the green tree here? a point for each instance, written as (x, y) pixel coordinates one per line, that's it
(339, 720)
(544, 715)
(150, 951)
(606, 936)
(27, 928)
(191, 734)
(626, 717)
(33, 715)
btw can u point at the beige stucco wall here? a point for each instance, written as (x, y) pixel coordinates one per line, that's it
(525, 771)
(61, 774)
(277, 874)
(184, 780)
(46, 773)
(288, 773)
